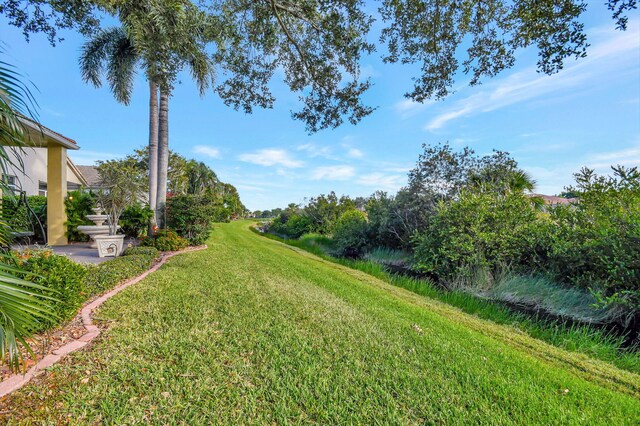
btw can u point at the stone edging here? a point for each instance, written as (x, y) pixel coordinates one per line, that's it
(16, 381)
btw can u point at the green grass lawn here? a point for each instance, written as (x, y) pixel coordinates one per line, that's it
(252, 331)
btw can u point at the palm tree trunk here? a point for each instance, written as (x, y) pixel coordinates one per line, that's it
(153, 148)
(163, 155)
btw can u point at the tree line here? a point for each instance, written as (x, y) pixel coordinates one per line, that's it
(463, 216)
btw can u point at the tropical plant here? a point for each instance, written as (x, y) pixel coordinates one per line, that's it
(200, 178)
(121, 185)
(78, 205)
(111, 52)
(23, 304)
(135, 220)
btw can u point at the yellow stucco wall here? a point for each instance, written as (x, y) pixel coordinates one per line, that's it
(56, 192)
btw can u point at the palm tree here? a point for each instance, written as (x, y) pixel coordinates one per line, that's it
(111, 53)
(22, 303)
(200, 178)
(165, 37)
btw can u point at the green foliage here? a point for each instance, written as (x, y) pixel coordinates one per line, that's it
(191, 217)
(291, 225)
(107, 275)
(595, 243)
(165, 240)
(22, 303)
(350, 233)
(135, 220)
(78, 205)
(16, 215)
(143, 251)
(480, 230)
(62, 278)
(121, 186)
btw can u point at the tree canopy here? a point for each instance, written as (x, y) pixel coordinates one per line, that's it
(319, 43)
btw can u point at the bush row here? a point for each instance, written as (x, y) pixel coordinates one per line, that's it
(592, 244)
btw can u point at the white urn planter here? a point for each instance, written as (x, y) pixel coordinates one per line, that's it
(109, 245)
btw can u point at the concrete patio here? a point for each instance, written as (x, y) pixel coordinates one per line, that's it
(80, 253)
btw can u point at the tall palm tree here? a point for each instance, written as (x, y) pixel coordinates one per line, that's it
(111, 53)
(166, 36)
(22, 303)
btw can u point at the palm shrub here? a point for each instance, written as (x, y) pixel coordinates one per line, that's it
(350, 233)
(135, 220)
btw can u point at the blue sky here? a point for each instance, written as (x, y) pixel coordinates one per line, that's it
(588, 114)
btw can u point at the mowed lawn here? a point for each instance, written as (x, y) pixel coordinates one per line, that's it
(252, 331)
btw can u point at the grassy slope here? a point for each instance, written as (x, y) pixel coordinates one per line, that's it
(254, 331)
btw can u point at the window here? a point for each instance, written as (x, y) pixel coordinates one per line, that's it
(11, 182)
(71, 186)
(42, 188)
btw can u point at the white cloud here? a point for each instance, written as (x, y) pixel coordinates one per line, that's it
(407, 108)
(313, 150)
(552, 179)
(209, 151)
(382, 181)
(271, 157)
(607, 56)
(333, 173)
(354, 153)
(625, 157)
(251, 188)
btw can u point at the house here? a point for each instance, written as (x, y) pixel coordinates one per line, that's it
(90, 174)
(47, 171)
(552, 200)
(33, 180)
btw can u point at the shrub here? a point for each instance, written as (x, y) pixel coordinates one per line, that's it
(190, 216)
(480, 231)
(107, 275)
(165, 240)
(350, 233)
(291, 225)
(78, 205)
(135, 220)
(16, 215)
(64, 279)
(595, 243)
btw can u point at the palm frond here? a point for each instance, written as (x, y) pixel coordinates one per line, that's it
(112, 55)
(22, 304)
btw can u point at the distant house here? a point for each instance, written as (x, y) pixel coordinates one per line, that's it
(552, 200)
(91, 176)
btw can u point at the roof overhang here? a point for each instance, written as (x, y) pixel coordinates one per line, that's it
(41, 136)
